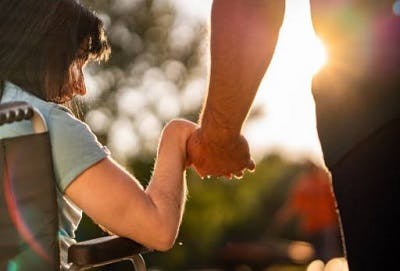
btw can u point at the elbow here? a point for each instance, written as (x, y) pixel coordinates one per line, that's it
(159, 236)
(165, 243)
(163, 227)
(160, 240)
(159, 229)
(166, 237)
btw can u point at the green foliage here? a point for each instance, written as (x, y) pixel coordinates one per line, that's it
(219, 211)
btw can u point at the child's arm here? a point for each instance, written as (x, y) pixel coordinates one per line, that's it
(115, 199)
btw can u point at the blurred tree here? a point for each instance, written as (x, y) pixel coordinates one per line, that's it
(157, 71)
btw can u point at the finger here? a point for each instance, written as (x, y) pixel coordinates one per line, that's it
(228, 176)
(251, 165)
(238, 175)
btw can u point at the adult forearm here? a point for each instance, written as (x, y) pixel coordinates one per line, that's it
(243, 39)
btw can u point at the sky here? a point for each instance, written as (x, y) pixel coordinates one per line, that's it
(287, 124)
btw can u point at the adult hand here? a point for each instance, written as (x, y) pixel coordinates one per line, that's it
(219, 156)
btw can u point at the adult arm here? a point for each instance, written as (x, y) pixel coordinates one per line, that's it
(243, 38)
(112, 197)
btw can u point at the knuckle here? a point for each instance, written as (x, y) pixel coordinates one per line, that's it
(174, 123)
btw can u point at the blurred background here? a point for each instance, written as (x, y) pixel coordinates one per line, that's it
(158, 71)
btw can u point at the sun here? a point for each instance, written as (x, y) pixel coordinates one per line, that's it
(299, 41)
(300, 50)
(317, 55)
(289, 124)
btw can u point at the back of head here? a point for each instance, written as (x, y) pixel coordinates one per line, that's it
(40, 39)
(22, 25)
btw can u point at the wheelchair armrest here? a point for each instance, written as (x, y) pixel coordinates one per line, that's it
(103, 249)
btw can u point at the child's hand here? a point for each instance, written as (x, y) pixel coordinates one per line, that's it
(174, 137)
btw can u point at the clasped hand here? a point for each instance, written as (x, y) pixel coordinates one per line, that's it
(220, 157)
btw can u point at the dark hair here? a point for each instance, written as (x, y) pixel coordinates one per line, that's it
(40, 40)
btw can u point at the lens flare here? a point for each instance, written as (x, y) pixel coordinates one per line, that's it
(319, 56)
(396, 8)
(18, 220)
(12, 266)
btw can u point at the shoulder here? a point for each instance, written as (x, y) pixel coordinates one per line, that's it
(75, 147)
(67, 131)
(61, 118)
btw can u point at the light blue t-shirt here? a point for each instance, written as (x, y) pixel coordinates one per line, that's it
(74, 148)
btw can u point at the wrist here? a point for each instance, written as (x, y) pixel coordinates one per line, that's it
(219, 137)
(218, 129)
(172, 150)
(169, 162)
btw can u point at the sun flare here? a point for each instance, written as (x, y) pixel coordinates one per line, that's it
(300, 49)
(289, 123)
(318, 55)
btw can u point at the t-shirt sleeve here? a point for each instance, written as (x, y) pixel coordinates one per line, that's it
(75, 148)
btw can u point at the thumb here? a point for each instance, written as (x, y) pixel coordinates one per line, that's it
(251, 165)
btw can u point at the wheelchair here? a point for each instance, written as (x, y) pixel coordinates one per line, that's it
(28, 206)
